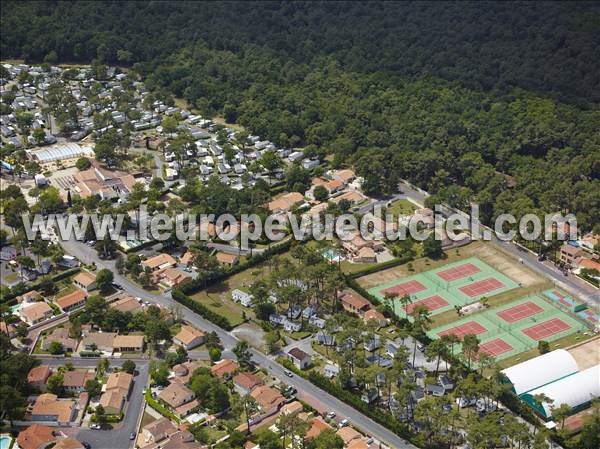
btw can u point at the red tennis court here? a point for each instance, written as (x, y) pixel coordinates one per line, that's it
(408, 288)
(519, 312)
(495, 347)
(432, 303)
(471, 327)
(461, 271)
(546, 329)
(481, 287)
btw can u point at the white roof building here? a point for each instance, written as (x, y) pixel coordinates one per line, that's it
(575, 390)
(541, 370)
(60, 152)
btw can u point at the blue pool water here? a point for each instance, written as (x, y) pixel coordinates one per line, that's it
(4, 442)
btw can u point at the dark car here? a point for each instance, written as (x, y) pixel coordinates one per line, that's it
(132, 436)
(86, 445)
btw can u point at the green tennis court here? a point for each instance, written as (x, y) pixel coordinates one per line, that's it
(456, 284)
(515, 327)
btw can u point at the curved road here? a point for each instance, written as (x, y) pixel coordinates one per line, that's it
(308, 392)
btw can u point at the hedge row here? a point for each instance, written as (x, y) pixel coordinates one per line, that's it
(201, 310)
(159, 407)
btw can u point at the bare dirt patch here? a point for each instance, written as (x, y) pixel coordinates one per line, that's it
(586, 354)
(482, 250)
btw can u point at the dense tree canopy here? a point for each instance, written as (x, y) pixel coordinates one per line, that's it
(488, 101)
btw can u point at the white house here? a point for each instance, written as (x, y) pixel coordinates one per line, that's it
(243, 298)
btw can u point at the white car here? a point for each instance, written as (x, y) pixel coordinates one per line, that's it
(343, 423)
(331, 415)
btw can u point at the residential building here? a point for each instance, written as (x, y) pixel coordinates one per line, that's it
(85, 281)
(182, 373)
(108, 184)
(224, 369)
(48, 407)
(60, 335)
(292, 408)
(189, 337)
(300, 358)
(159, 262)
(243, 298)
(182, 439)
(317, 425)
(72, 301)
(38, 376)
(30, 297)
(169, 277)
(376, 316)
(126, 304)
(180, 398)
(227, 259)
(35, 313)
(99, 341)
(74, 381)
(118, 386)
(331, 370)
(36, 436)
(569, 254)
(245, 382)
(348, 434)
(158, 430)
(286, 202)
(128, 343)
(353, 303)
(269, 399)
(68, 443)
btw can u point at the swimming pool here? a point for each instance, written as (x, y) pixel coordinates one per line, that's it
(331, 255)
(5, 441)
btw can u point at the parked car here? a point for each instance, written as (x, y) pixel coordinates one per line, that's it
(95, 426)
(132, 436)
(86, 445)
(288, 373)
(343, 423)
(331, 414)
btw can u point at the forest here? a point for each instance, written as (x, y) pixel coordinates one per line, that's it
(491, 102)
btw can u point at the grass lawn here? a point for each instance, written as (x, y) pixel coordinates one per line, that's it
(349, 268)
(297, 335)
(401, 207)
(218, 297)
(10, 279)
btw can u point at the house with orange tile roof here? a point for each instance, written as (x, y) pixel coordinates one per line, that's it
(317, 425)
(354, 303)
(85, 281)
(36, 436)
(269, 399)
(31, 296)
(189, 337)
(126, 304)
(38, 376)
(117, 388)
(348, 434)
(169, 277)
(244, 382)
(72, 301)
(187, 258)
(74, 381)
(48, 407)
(224, 369)
(227, 259)
(376, 316)
(159, 262)
(128, 343)
(286, 202)
(59, 335)
(35, 313)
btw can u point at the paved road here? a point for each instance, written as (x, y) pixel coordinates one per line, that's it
(313, 395)
(118, 438)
